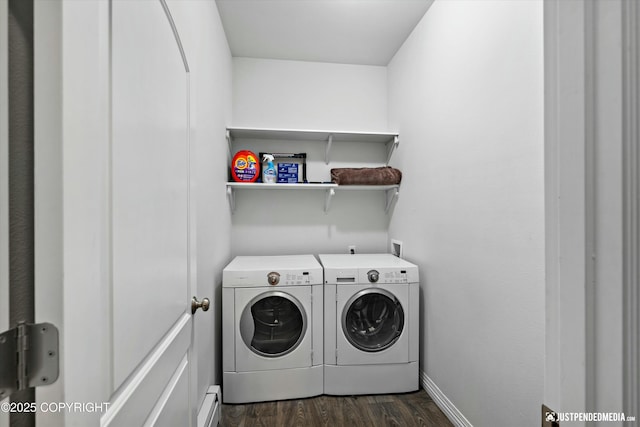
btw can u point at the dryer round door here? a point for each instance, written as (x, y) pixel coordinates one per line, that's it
(373, 320)
(273, 324)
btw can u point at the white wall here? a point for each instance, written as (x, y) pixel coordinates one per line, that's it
(209, 60)
(466, 95)
(310, 95)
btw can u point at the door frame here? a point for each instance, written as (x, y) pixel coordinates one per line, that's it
(4, 180)
(631, 207)
(72, 51)
(592, 91)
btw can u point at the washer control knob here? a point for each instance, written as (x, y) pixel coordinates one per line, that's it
(273, 278)
(373, 276)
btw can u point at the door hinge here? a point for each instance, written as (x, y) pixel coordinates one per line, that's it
(29, 355)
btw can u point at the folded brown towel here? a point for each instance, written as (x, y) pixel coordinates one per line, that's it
(384, 175)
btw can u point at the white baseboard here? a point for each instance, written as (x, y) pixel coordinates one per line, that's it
(210, 413)
(445, 405)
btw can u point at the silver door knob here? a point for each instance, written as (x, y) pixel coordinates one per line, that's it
(195, 304)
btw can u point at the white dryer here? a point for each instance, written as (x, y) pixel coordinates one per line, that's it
(272, 341)
(371, 324)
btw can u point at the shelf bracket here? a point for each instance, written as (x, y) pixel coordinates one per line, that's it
(392, 197)
(229, 139)
(327, 202)
(326, 154)
(232, 200)
(392, 145)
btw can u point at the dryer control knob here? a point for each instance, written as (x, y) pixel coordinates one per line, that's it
(273, 278)
(373, 276)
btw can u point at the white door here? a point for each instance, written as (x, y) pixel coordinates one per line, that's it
(114, 244)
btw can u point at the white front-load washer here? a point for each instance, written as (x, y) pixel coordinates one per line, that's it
(272, 340)
(371, 324)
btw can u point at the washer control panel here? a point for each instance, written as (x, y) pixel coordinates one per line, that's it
(395, 276)
(274, 278)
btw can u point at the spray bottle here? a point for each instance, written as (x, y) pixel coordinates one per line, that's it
(269, 173)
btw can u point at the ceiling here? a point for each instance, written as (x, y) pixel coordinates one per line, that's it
(366, 32)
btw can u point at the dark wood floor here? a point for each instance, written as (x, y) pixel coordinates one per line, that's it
(408, 409)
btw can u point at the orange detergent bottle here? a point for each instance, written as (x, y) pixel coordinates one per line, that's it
(244, 166)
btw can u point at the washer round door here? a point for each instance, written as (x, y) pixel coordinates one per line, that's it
(373, 320)
(273, 324)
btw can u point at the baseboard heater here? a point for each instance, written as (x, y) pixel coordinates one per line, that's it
(209, 414)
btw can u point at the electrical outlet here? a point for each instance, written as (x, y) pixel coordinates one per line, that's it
(396, 248)
(352, 249)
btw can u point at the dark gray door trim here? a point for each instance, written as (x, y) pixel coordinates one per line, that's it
(21, 178)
